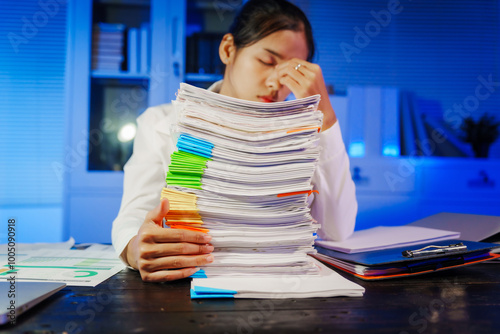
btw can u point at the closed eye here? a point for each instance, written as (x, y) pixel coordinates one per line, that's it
(266, 63)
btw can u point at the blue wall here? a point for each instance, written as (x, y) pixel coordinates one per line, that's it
(32, 99)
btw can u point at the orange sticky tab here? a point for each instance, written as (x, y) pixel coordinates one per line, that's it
(308, 192)
(293, 193)
(189, 228)
(305, 129)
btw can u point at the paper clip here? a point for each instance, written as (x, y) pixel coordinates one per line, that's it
(433, 250)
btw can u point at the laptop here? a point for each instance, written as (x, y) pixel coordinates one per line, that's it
(25, 295)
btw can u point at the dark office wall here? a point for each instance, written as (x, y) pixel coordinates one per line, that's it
(441, 50)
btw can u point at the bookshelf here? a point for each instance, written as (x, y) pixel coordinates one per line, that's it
(206, 22)
(105, 98)
(394, 189)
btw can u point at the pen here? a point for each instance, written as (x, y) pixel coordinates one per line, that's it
(434, 250)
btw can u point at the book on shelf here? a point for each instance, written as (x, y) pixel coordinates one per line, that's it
(202, 53)
(132, 50)
(108, 47)
(144, 58)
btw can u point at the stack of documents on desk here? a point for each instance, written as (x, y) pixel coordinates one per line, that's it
(56, 262)
(384, 237)
(390, 252)
(326, 283)
(242, 173)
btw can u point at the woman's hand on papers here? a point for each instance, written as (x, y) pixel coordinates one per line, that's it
(155, 249)
(305, 79)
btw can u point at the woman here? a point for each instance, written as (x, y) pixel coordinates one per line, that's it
(267, 56)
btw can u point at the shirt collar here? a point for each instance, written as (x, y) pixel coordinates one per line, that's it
(215, 87)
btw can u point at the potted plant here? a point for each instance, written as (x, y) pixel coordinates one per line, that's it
(480, 134)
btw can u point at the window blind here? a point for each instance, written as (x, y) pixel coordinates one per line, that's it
(32, 95)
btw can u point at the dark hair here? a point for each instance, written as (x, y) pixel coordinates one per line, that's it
(260, 18)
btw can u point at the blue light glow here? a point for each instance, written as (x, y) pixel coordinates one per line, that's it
(357, 149)
(390, 151)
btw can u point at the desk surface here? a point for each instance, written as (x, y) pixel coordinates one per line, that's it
(462, 300)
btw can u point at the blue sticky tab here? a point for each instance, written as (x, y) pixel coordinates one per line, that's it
(202, 290)
(184, 137)
(195, 295)
(204, 152)
(194, 145)
(199, 274)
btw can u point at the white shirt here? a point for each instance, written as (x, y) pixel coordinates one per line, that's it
(335, 206)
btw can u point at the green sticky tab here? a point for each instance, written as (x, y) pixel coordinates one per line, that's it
(186, 170)
(187, 177)
(190, 157)
(185, 184)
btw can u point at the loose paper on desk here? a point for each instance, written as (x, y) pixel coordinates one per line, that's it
(73, 267)
(26, 247)
(385, 237)
(327, 283)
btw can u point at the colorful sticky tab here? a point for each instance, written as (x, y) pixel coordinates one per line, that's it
(199, 274)
(203, 290)
(194, 145)
(195, 295)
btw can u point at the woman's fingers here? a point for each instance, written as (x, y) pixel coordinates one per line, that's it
(156, 215)
(181, 248)
(298, 69)
(303, 78)
(180, 235)
(174, 262)
(292, 84)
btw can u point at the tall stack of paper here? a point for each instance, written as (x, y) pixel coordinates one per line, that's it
(242, 173)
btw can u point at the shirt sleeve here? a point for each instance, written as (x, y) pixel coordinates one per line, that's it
(144, 178)
(335, 207)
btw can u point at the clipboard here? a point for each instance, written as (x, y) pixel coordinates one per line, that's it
(392, 263)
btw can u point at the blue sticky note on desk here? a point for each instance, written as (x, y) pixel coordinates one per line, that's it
(206, 292)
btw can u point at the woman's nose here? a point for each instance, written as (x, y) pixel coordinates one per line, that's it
(272, 80)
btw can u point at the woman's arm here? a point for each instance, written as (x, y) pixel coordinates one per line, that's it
(335, 207)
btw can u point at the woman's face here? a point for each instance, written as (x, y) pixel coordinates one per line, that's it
(250, 71)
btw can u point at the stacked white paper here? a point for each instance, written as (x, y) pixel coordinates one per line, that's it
(248, 167)
(243, 172)
(326, 284)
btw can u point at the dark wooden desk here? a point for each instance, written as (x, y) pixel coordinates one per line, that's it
(465, 300)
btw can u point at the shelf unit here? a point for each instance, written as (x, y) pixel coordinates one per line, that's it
(103, 101)
(396, 190)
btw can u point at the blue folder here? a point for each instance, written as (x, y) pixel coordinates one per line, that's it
(391, 263)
